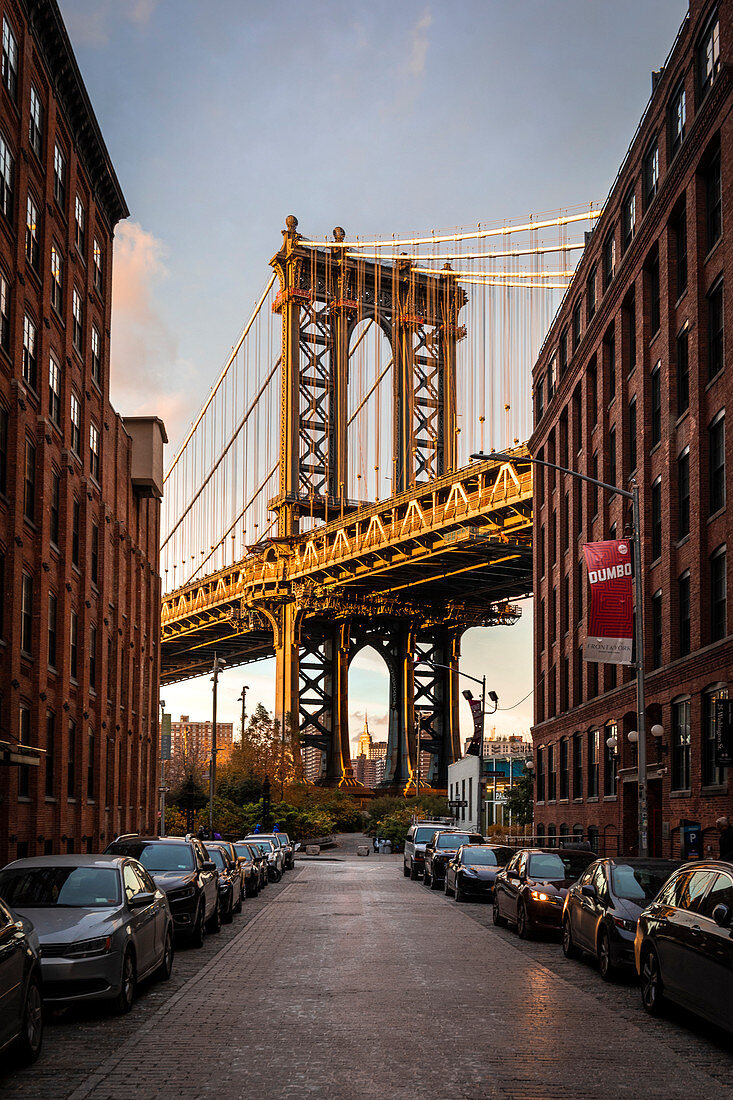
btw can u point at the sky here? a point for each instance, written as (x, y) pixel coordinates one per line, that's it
(223, 116)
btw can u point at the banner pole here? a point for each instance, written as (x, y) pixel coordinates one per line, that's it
(643, 810)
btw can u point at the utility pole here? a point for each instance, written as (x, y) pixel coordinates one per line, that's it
(243, 700)
(219, 664)
(633, 496)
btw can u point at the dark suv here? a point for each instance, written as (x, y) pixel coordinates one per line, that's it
(441, 847)
(181, 867)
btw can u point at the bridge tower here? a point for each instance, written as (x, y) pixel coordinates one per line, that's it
(324, 293)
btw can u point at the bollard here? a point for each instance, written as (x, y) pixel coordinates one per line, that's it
(363, 850)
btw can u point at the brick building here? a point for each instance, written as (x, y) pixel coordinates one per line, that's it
(79, 487)
(633, 381)
(192, 740)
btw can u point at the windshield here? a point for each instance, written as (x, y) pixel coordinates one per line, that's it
(263, 845)
(284, 838)
(558, 865)
(156, 856)
(217, 856)
(423, 834)
(479, 857)
(454, 840)
(72, 887)
(637, 883)
(243, 850)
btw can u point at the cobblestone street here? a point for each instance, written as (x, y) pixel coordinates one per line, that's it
(348, 980)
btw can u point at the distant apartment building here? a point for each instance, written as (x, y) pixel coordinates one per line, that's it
(192, 740)
(371, 759)
(312, 758)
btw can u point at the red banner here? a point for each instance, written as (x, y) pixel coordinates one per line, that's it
(477, 711)
(611, 616)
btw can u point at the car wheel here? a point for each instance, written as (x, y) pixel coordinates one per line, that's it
(405, 869)
(606, 968)
(125, 997)
(496, 916)
(652, 988)
(166, 964)
(414, 873)
(214, 921)
(569, 950)
(523, 930)
(31, 1036)
(276, 874)
(197, 936)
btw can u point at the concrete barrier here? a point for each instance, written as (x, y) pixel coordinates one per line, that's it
(312, 849)
(363, 850)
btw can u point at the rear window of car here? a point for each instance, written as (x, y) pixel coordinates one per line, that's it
(156, 855)
(479, 857)
(455, 840)
(558, 865)
(217, 857)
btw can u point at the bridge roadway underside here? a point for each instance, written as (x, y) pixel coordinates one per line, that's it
(406, 576)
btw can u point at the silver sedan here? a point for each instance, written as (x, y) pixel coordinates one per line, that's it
(102, 923)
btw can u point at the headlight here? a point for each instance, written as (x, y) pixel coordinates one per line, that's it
(627, 925)
(538, 895)
(179, 895)
(469, 872)
(85, 949)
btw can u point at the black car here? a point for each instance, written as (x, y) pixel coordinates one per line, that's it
(684, 943)
(473, 869)
(441, 847)
(258, 860)
(21, 1015)
(602, 908)
(530, 891)
(230, 880)
(180, 866)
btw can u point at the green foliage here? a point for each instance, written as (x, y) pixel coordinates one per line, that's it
(520, 800)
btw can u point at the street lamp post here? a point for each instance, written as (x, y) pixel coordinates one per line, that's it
(243, 700)
(633, 496)
(162, 771)
(219, 664)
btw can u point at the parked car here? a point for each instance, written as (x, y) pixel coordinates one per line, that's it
(281, 846)
(602, 908)
(102, 924)
(230, 881)
(255, 863)
(530, 891)
(21, 1008)
(181, 868)
(684, 943)
(418, 835)
(473, 869)
(246, 870)
(273, 854)
(289, 849)
(441, 847)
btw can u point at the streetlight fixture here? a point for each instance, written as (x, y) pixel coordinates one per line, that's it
(633, 496)
(219, 665)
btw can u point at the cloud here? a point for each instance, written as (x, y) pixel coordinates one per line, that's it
(419, 44)
(144, 350)
(89, 22)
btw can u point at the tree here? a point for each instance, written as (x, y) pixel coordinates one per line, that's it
(520, 800)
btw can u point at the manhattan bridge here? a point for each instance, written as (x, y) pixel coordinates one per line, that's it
(324, 499)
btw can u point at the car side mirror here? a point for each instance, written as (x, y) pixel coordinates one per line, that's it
(722, 916)
(139, 901)
(589, 891)
(209, 865)
(296, 847)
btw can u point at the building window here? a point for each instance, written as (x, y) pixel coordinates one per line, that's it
(7, 169)
(90, 764)
(35, 125)
(10, 61)
(630, 318)
(594, 487)
(95, 554)
(576, 325)
(715, 330)
(55, 506)
(656, 519)
(26, 614)
(96, 349)
(656, 405)
(93, 657)
(713, 202)
(551, 774)
(609, 258)
(579, 591)
(628, 219)
(75, 424)
(683, 373)
(59, 176)
(57, 279)
(98, 259)
(612, 455)
(563, 351)
(564, 767)
(592, 396)
(683, 596)
(75, 531)
(54, 389)
(540, 775)
(712, 773)
(52, 628)
(577, 765)
(716, 453)
(590, 286)
(593, 745)
(71, 760)
(24, 738)
(94, 451)
(610, 761)
(4, 420)
(655, 317)
(73, 645)
(708, 56)
(80, 227)
(77, 310)
(50, 752)
(4, 313)
(657, 629)
(677, 118)
(718, 595)
(30, 360)
(683, 494)
(29, 482)
(681, 745)
(680, 242)
(650, 172)
(632, 435)
(610, 346)
(32, 241)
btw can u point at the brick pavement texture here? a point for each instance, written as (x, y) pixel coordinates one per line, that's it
(355, 982)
